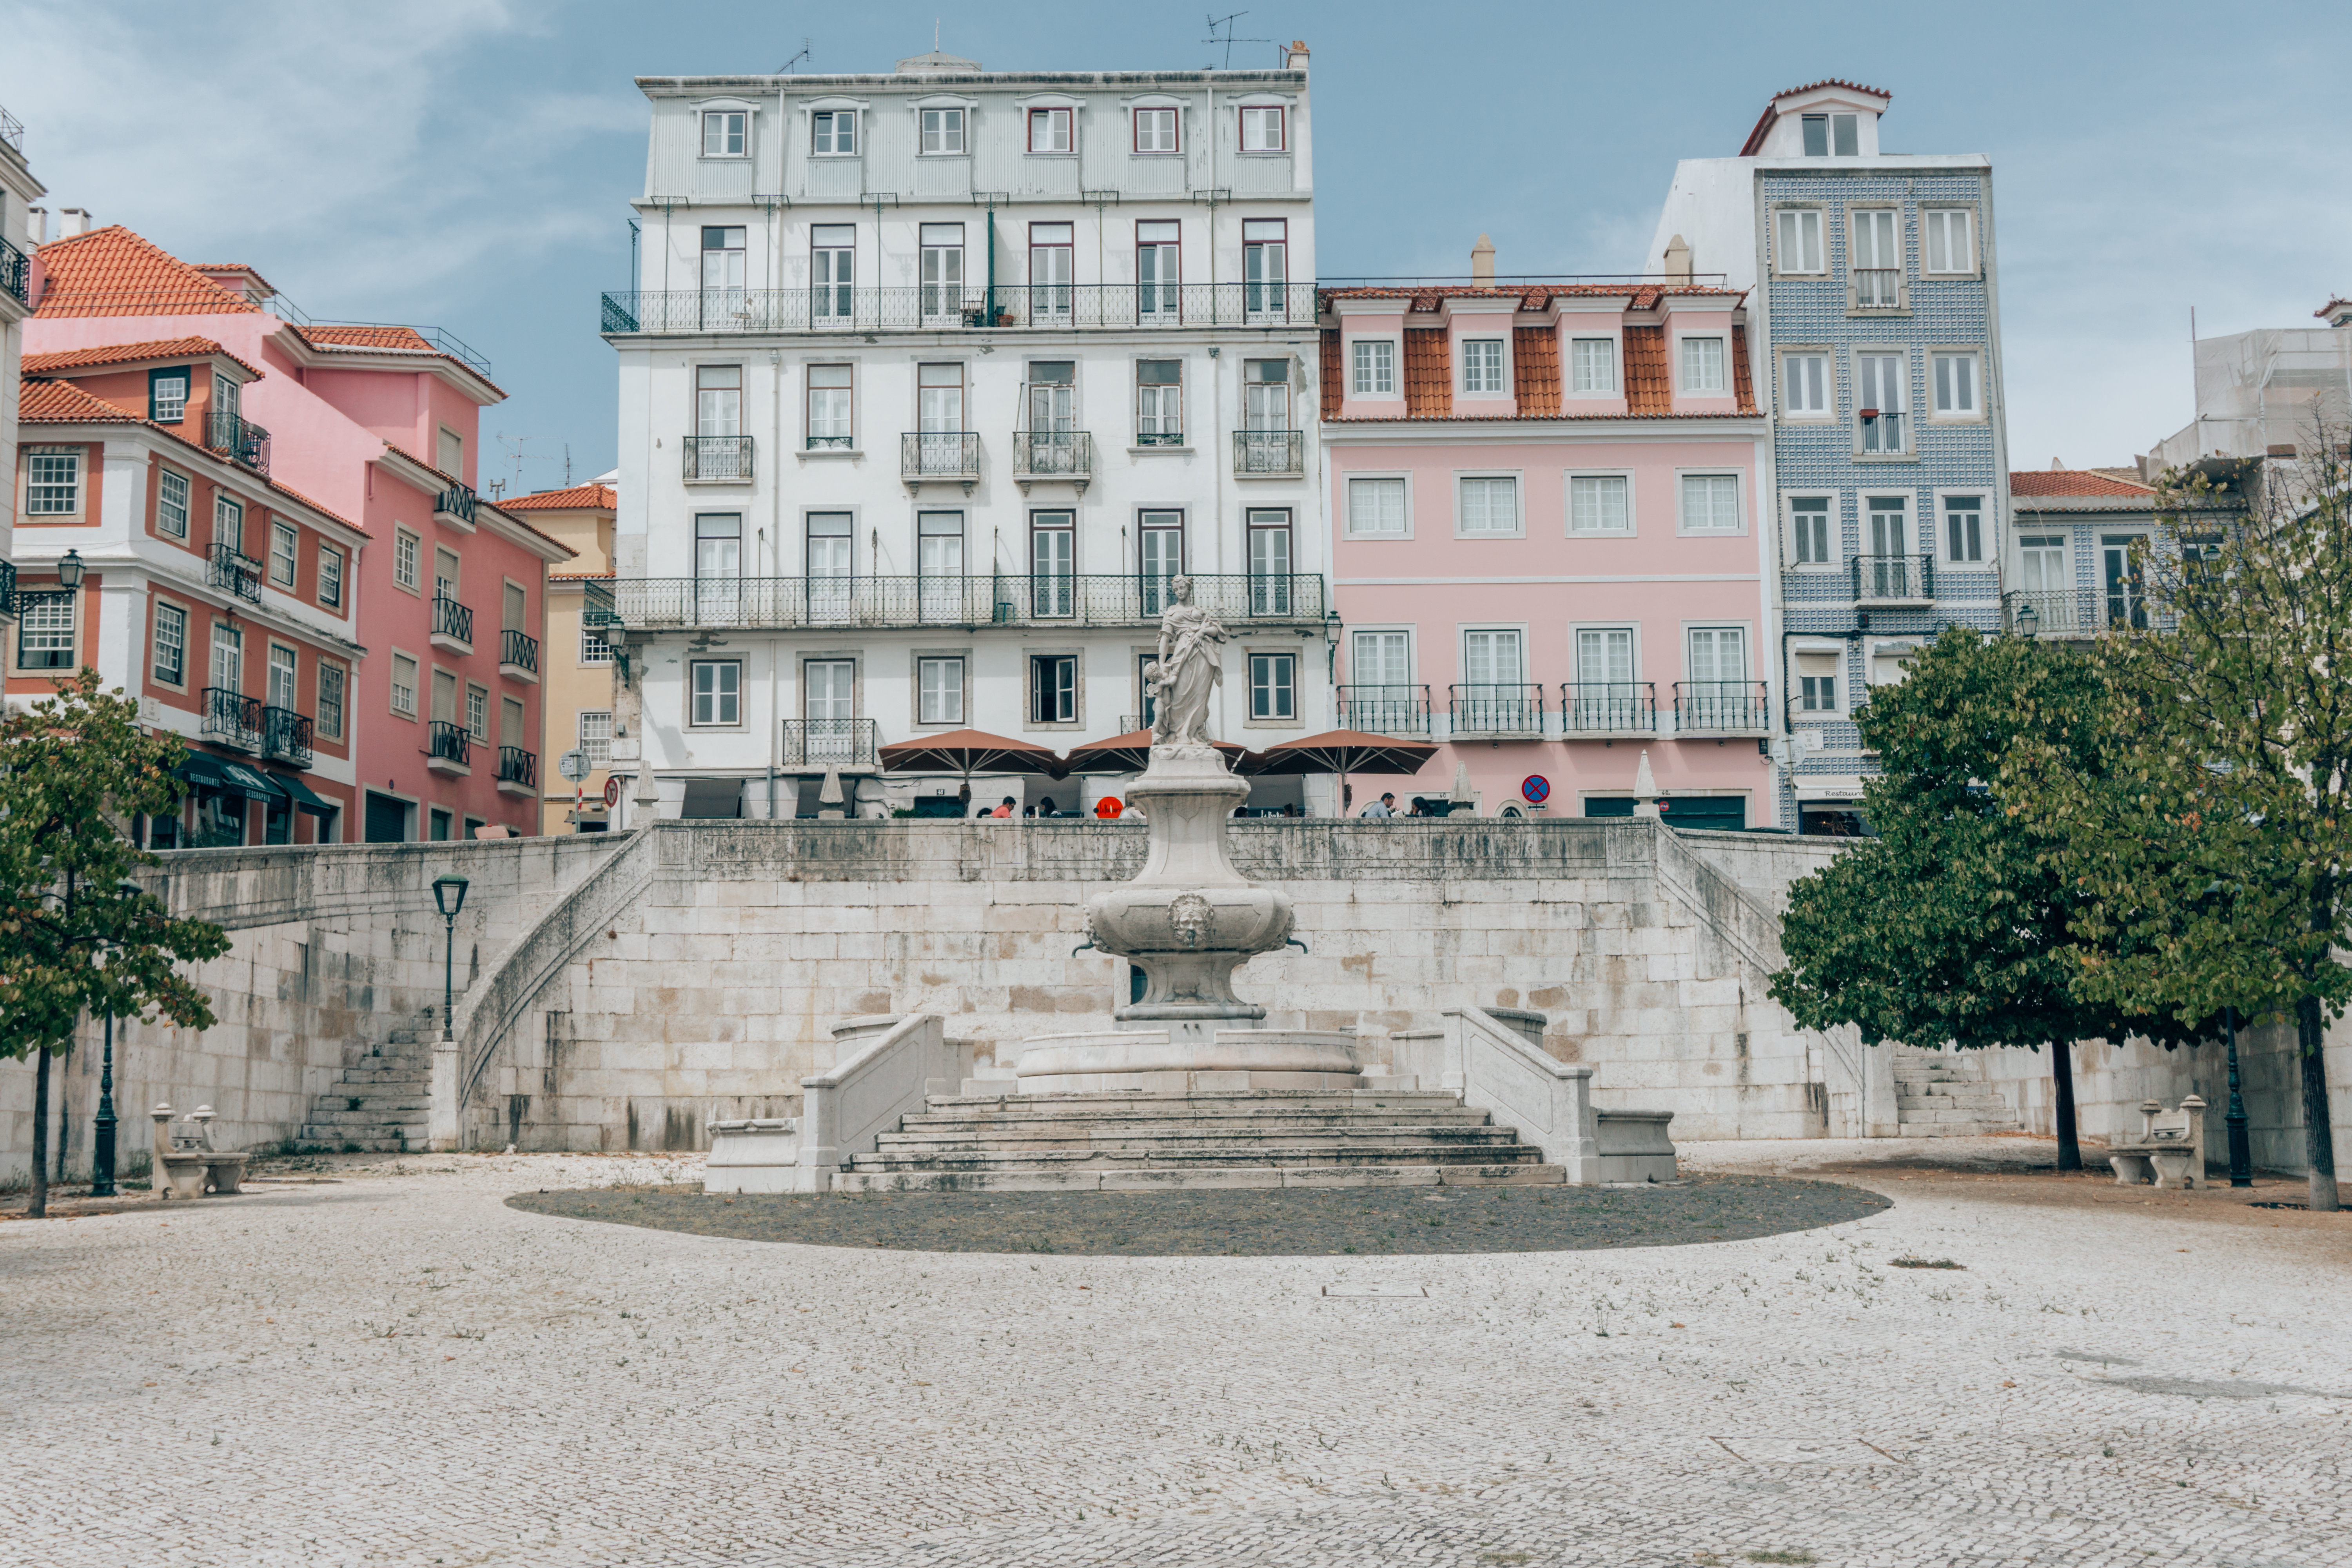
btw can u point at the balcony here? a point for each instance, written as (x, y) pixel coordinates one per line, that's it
(914, 307)
(1269, 454)
(1512, 712)
(1385, 709)
(518, 656)
(828, 742)
(718, 459)
(448, 749)
(1894, 579)
(946, 457)
(453, 625)
(238, 438)
(231, 719)
(2082, 612)
(1052, 454)
(286, 736)
(232, 571)
(8, 588)
(1882, 431)
(1717, 708)
(1877, 287)
(16, 275)
(1601, 709)
(746, 604)
(518, 771)
(453, 507)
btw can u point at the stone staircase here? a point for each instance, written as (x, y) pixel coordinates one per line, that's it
(1241, 1138)
(1942, 1094)
(382, 1103)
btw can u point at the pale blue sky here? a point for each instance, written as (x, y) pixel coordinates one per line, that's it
(466, 163)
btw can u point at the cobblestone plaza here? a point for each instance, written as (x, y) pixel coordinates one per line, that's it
(395, 1367)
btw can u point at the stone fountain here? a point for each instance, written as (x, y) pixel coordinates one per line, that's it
(1188, 920)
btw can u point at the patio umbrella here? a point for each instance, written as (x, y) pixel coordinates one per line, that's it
(967, 751)
(1132, 754)
(1344, 751)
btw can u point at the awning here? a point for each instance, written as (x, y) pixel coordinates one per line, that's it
(305, 798)
(204, 771)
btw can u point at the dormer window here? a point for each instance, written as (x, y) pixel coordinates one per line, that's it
(1833, 135)
(1049, 130)
(942, 131)
(167, 396)
(722, 133)
(1262, 128)
(835, 132)
(1155, 131)
(1482, 365)
(1703, 366)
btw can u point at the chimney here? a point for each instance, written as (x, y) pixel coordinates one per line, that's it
(37, 226)
(72, 221)
(1294, 58)
(1482, 262)
(1678, 260)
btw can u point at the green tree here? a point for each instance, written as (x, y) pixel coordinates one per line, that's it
(2210, 842)
(75, 933)
(1952, 927)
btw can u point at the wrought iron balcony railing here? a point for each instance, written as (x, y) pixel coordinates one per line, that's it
(833, 308)
(286, 735)
(1880, 579)
(1514, 708)
(231, 717)
(12, 130)
(1877, 287)
(456, 502)
(453, 620)
(1052, 454)
(16, 274)
(1720, 707)
(718, 459)
(1385, 709)
(1609, 707)
(449, 742)
(517, 766)
(519, 650)
(814, 742)
(2082, 612)
(953, 455)
(8, 588)
(239, 438)
(1882, 430)
(596, 604)
(657, 604)
(233, 572)
(1280, 452)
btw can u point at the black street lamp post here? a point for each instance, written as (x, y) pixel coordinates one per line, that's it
(449, 897)
(102, 1125)
(2241, 1155)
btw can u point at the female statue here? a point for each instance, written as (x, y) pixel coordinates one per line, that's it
(1189, 671)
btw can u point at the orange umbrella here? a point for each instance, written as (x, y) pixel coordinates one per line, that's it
(1132, 754)
(967, 751)
(1344, 751)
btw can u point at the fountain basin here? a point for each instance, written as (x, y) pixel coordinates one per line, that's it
(1156, 1061)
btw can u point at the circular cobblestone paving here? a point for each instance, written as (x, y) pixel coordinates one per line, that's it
(1277, 1223)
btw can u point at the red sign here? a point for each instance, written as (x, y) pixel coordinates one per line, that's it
(611, 792)
(1534, 789)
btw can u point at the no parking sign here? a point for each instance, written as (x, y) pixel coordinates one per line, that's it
(1534, 789)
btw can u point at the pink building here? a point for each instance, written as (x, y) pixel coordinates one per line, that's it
(376, 426)
(1546, 549)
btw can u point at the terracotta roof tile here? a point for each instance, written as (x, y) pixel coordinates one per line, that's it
(2073, 482)
(1535, 356)
(1647, 387)
(63, 402)
(1833, 81)
(582, 576)
(111, 271)
(1330, 373)
(1428, 374)
(132, 353)
(578, 498)
(1531, 296)
(1743, 379)
(369, 338)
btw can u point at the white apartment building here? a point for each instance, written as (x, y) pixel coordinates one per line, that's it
(18, 192)
(931, 385)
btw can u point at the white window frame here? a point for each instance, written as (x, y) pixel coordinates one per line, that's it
(594, 651)
(1907, 448)
(71, 485)
(1502, 366)
(809, 389)
(1616, 387)
(719, 697)
(285, 546)
(155, 642)
(1159, 395)
(1834, 542)
(1250, 715)
(1865, 545)
(1967, 216)
(477, 712)
(1462, 635)
(1827, 412)
(1988, 543)
(330, 575)
(415, 671)
(833, 118)
(1854, 305)
(164, 477)
(1175, 129)
(596, 750)
(1402, 477)
(1974, 359)
(1738, 479)
(742, 132)
(407, 557)
(1519, 529)
(1568, 503)
(1780, 226)
(44, 603)
(962, 714)
(1357, 366)
(338, 674)
(1280, 121)
(1683, 343)
(1068, 126)
(1842, 703)
(925, 133)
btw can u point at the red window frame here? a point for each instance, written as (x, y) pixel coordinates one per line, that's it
(1281, 121)
(1135, 130)
(1069, 120)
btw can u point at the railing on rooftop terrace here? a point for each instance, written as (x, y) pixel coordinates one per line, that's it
(239, 438)
(440, 340)
(12, 130)
(832, 308)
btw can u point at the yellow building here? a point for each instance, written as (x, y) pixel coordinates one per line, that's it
(574, 663)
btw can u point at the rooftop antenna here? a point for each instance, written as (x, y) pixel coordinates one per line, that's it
(1228, 40)
(805, 54)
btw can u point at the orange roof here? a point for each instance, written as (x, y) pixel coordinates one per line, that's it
(1535, 364)
(132, 353)
(579, 497)
(111, 271)
(581, 577)
(1426, 298)
(2073, 482)
(369, 338)
(1429, 391)
(1428, 374)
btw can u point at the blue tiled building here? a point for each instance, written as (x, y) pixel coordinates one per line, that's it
(1877, 331)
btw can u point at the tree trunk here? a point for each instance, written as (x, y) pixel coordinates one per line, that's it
(2318, 1133)
(2062, 1077)
(39, 1207)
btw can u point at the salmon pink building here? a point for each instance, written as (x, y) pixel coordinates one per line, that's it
(1546, 542)
(272, 471)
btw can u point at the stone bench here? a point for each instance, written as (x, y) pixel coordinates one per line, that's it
(754, 1154)
(186, 1164)
(2169, 1150)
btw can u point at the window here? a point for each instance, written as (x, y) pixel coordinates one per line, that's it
(1798, 247)
(331, 576)
(52, 482)
(1265, 267)
(511, 716)
(718, 687)
(1719, 654)
(1269, 561)
(1809, 527)
(1271, 684)
(1376, 508)
(593, 648)
(227, 397)
(2042, 559)
(1049, 271)
(1160, 402)
(834, 132)
(718, 410)
(828, 550)
(1490, 505)
(1375, 362)
(829, 709)
(1382, 659)
(1593, 362)
(1956, 386)
(722, 261)
(1833, 135)
(1155, 131)
(228, 523)
(444, 573)
(167, 396)
(722, 133)
(1160, 556)
(1710, 503)
(1880, 401)
(478, 703)
(284, 543)
(1805, 385)
(938, 413)
(1599, 503)
(1482, 365)
(938, 691)
(1889, 528)
(829, 407)
(832, 272)
(228, 657)
(404, 686)
(1817, 683)
(718, 565)
(1157, 271)
(1053, 688)
(278, 687)
(943, 247)
(1491, 658)
(942, 131)
(172, 503)
(1049, 130)
(1702, 365)
(1265, 403)
(171, 645)
(595, 735)
(1946, 241)
(1262, 128)
(403, 559)
(1964, 529)
(1877, 259)
(452, 451)
(938, 564)
(1052, 562)
(330, 722)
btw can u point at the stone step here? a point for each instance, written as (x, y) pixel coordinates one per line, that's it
(1981, 1100)
(363, 1118)
(1239, 1102)
(1178, 1138)
(1110, 1158)
(1196, 1178)
(932, 1125)
(370, 1138)
(1955, 1129)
